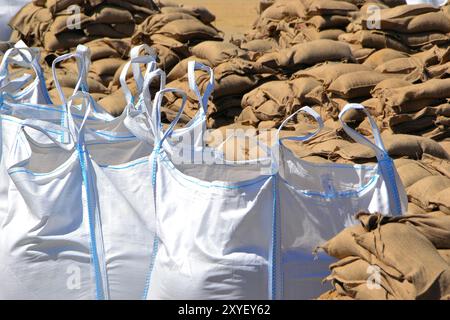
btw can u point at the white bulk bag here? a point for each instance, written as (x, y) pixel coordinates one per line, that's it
(48, 246)
(316, 201)
(36, 92)
(84, 216)
(214, 227)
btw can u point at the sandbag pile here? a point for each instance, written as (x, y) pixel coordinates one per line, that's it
(388, 258)
(62, 25)
(233, 78)
(291, 21)
(174, 30)
(107, 58)
(406, 28)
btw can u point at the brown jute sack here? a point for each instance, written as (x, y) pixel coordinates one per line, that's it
(322, 22)
(116, 102)
(308, 54)
(65, 40)
(397, 145)
(374, 39)
(413, 172)
(382, 56)
(199, 12)
(427, 22)
(106, 66)
(31, 22)
(356, 84)
(360, 53)
(260, 45)
(180, 69)
(282, 9)
(184, 31)
(68, 80)
(419, 40)
(389, 83)
(328, 72)
(354, 275)
(155, 22)
(108, 48)
(423, 190)
(435, 226)
(217, 52)
(330, 7)
(278, 91)
(410, 68)
(432, 89)
(415, 209)
(423, 269)
(120, 30)
(442, 200)
(307, 90)
(344, 245)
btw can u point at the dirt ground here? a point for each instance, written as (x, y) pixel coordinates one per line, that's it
(232, 16)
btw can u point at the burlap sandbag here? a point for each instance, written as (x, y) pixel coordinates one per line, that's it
(260, 45)
(308, 54)
(432, 89)
(322, 22)
(236, 77)
(389, 83)
(121, 30)
(180, 69)
(379, 40)
(425, 269)
(116, 102)
(217, 52)
(415, 122)
(360, 53)
(425, 39)
(108, 48)
(423, 190)
(426, 20)
(397, 145)
(283, 9)
(410, 68)
(330, 7)
(65, 41)
(382, 56)
(68, 80)
(101, 15)
(30, 23)
(356, 84)
(413, 172)
(190, 30)
(307, 90)
(155, 22)
(199, 12)
(345, 245)
(279, 93)
(353, 274)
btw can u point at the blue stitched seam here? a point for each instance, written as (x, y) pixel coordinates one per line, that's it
(93, 241)
(155, 240)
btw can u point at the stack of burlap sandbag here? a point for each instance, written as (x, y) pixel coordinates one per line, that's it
(406, 28)
(107, 59)
(62, 25)
(234, 76)
(288, 22)
(404, 257)
(175, 30)
(420, 109)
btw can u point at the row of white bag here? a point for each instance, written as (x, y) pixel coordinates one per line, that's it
(95, 207)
